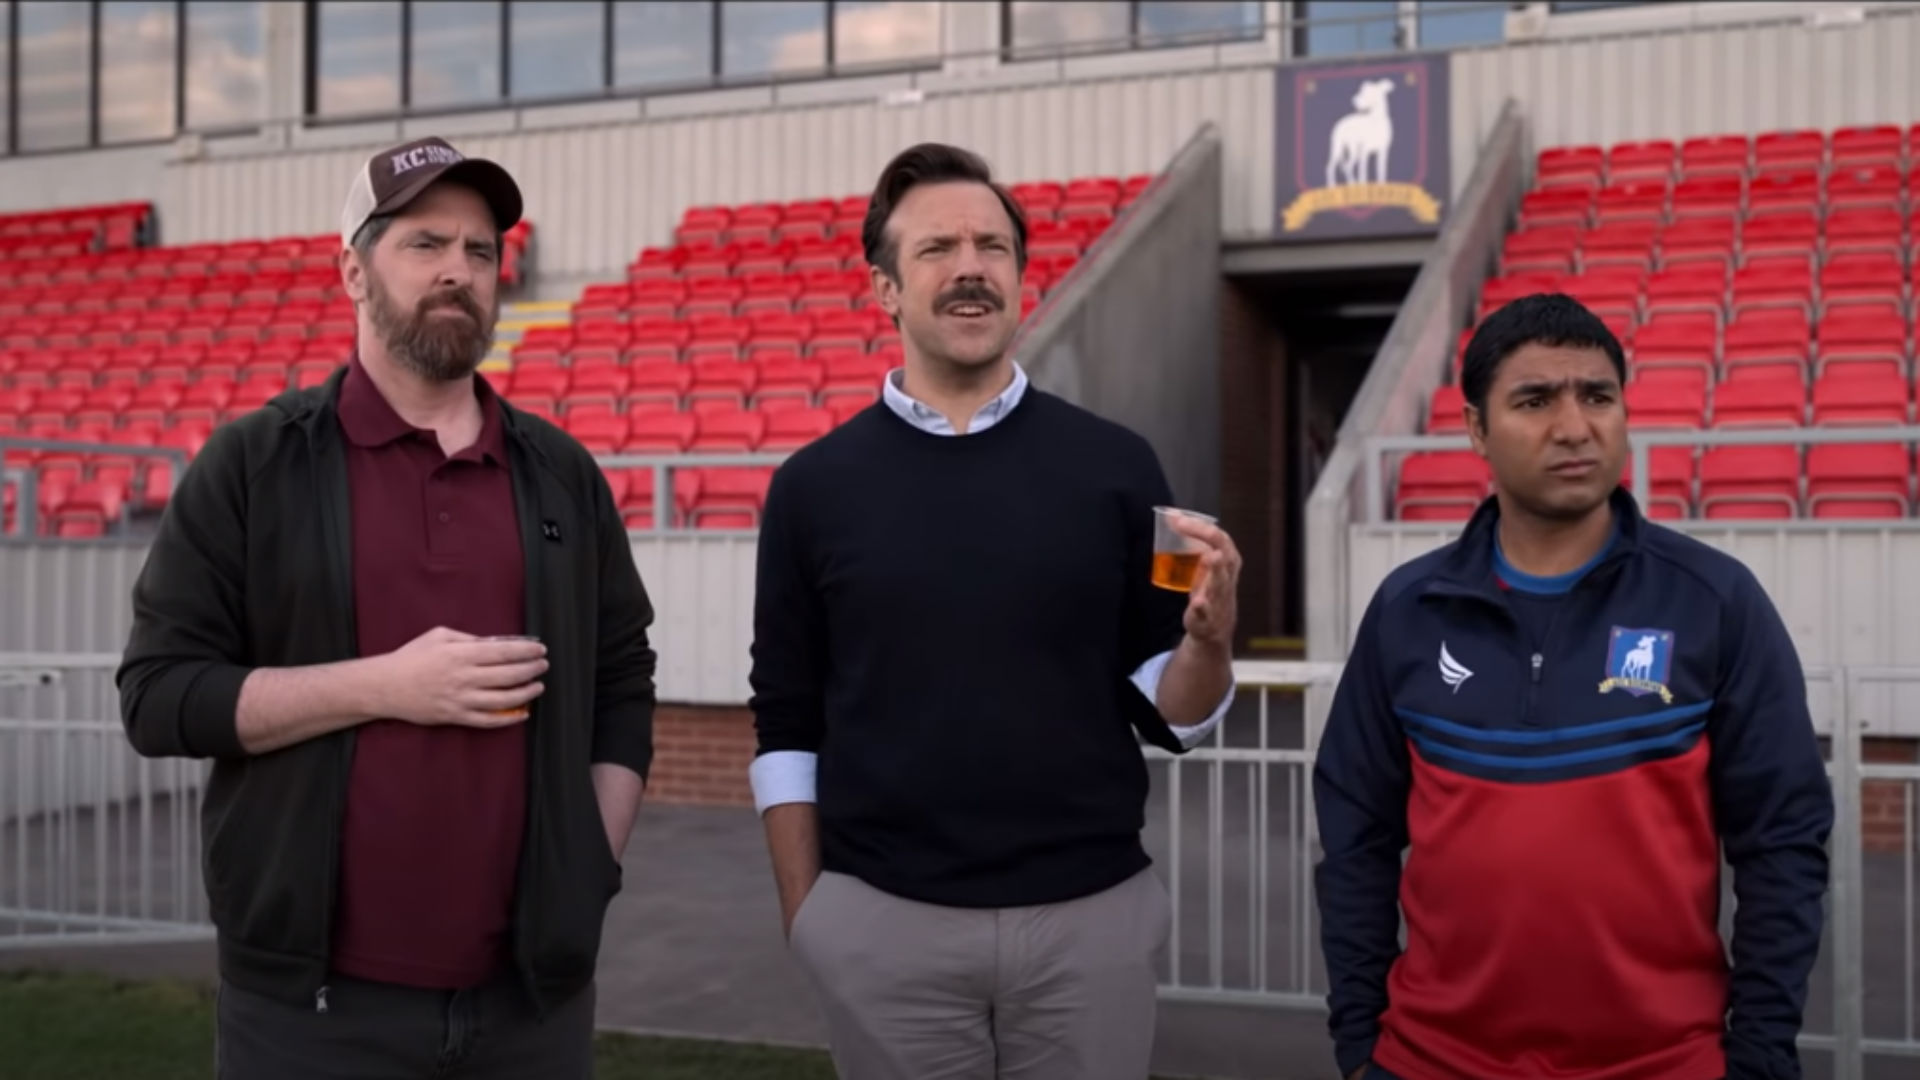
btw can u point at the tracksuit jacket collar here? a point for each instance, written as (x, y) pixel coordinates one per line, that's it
(1469, 567)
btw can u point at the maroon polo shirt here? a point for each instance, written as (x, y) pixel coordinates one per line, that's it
(434, 815)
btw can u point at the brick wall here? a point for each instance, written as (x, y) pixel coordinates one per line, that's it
(1884, 814)
(700, 756)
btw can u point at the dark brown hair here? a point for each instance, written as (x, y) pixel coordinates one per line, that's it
(930, 163)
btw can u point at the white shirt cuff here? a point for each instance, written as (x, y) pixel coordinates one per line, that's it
(1147, 678)
(782, 776)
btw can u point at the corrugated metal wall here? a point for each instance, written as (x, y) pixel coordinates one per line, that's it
(1840, 592)
(1685, 82)
(599, 194)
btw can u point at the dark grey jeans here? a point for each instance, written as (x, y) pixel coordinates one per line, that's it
(374, 1031)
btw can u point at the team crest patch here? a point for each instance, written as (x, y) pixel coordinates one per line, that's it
(1639, 661)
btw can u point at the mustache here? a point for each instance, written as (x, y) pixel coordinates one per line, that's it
(461, 299)
(969, 292)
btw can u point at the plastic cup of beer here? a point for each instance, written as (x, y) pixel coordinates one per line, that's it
(1176, 559)
(522, 712)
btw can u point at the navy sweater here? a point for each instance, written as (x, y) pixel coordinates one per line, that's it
(1566, 774)
(950, 623)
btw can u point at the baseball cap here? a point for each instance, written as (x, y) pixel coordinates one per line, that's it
(396, 176)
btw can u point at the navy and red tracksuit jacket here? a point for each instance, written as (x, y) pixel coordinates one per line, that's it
(1562, 762)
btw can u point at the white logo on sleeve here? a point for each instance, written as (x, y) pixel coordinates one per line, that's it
(1452, 672)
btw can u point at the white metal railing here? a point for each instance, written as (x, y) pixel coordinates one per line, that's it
(1250, 953)
(666, 507)
(1375, 448)
(1242, 958)
(25, 480)
(99, 845)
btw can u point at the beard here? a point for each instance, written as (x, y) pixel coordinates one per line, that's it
(438, 350)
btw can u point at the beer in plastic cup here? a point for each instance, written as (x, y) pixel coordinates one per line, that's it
(1176, 559)
(522, 712)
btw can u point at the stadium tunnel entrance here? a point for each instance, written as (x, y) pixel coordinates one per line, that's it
(1300, 328)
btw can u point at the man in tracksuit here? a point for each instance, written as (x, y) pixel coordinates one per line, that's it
(1562, 718)
(402, 619)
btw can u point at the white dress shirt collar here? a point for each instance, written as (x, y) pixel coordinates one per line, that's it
(933, 422)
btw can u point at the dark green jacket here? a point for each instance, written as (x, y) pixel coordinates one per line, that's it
(251, 568)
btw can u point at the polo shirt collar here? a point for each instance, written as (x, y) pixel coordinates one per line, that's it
(933, 422)
(369, 421)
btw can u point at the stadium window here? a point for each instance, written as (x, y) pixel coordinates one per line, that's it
(1337, 27)
(456, 54)
(1185, 23)
(768, 37)
(54, 50)
(1449, 23)
(878, 34)
(1050, 29)
(657, 44)
(557, 48)
(355, 46)
(1053, 29)
(139, 50)
(226, 65)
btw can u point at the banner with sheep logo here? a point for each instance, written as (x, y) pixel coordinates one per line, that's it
(1363, 148)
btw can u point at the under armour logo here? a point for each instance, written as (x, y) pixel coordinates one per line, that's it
(550, 530)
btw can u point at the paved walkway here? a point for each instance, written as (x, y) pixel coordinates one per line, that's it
(693, 947)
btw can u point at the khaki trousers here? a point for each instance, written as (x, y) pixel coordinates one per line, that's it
(915, 991)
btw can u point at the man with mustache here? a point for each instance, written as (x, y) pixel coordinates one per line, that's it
(955, 642)
(402, 619)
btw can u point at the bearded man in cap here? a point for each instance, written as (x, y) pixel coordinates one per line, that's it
(401, 617)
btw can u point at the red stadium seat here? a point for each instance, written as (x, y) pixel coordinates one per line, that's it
(718, 335)
(1444, 485)
(1789, 150)
(657, 297)
(733, 432)
(1648, 159)
(723, 380)
(789, 378)
(1867, 480)
(637, 502)
(793, 428)
(1626, 244)
(845, 407)
(1869, 279)
(597, 386)
(1670, 483)
(1643, 200)
(1714, 155)
(1855, 188)
(1862, 336)
(1869, 397)
(1855, 146)
(1444, 415)
(1767, 340)
(603, 434)
(661, 433)
(730, 498)
(654, 338)
(1760, 402)
(1750, 482)
(658, 380)
(1671, 405)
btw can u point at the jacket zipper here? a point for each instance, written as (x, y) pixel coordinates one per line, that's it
(337, 509)
(526, 498)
